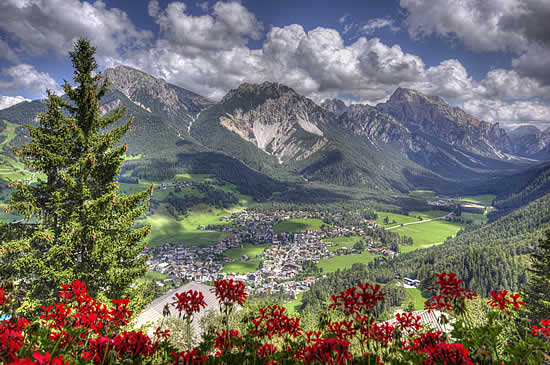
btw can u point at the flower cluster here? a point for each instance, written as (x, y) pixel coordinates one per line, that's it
(189, 302)
(229, 292)
(273, 322)
(360, 299)
(80, 329)
(501, 299)
(452, 294)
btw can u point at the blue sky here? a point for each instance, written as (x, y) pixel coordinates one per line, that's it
(489, 57)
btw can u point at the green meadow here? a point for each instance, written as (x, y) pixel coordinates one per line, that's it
(396, 219)
(340, 242)
(483, 199)
(243, 267)
(345, 261)
(427, 234)
(415, 295)
(298, 225)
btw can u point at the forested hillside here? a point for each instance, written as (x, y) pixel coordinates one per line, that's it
(490, 257)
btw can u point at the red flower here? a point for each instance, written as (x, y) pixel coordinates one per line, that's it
(382, 333)
(544, 330)
(2, 297)
(131, 345)
(266, 351)
(354, 301)
(428, 339)
(343, 329)
(451, 292)
(98, 349)
(188, 357)
(223, 341)
(447, 353)
(76, 290)
(189, 302)
(120, 314)
(273, 322)
(515, 302)
(499, 299)
(38, 358)
(229, 292)
(11, 338)
(328, 351)
(162, 335)
(407, 321)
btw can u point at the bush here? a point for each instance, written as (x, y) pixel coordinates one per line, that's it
(79, 329)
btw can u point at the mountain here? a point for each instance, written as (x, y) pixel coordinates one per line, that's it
(529, 141)
(335, 106)
(272, 135)
(433, 117)
(174, 104)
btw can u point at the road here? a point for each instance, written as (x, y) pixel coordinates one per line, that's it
(422, 221)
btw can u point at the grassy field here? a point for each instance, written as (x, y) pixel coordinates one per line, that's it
(165, 228)
(416, 296)
(396, 219)
(298, 225)
(345, 261)
(153, 276)
(476, 218)
(243, 267)
(484, 199)
(340, 242)
(422, 194)
(427, 234)
(292, 307)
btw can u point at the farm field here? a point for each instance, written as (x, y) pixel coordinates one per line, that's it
(427, 234)
(484, 199)
(165, 228)
(344, 261)
(298, 225)
(340, 242)
(476, 218)
(243, 267)
(396, 219)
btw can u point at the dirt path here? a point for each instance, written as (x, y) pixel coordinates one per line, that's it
(422, 221)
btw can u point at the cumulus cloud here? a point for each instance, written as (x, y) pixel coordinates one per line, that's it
(378, 23)
(43, 26)
(25, 79)
(535, 112)
(519, 26)
(7, 101)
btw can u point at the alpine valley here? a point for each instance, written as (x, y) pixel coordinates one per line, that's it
(478, 192)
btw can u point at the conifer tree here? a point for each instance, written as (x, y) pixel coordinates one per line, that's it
(537, 296)
(77, 225)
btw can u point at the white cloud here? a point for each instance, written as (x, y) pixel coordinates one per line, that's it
(535, 112)
(519, 26)
(378, 23)
(7, 101)
(25, 79)
(43, 26)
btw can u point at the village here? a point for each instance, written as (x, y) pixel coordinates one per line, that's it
(281, 268)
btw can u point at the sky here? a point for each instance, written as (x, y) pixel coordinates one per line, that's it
(491, 58)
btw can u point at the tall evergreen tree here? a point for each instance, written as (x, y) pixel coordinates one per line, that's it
(537, 295)
(77, 225)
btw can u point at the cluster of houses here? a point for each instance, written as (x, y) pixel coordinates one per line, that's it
(182, 184)
(281, 263)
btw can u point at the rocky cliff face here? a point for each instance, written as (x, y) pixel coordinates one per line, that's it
(276, 119)
(530, 141)
(335, 106)
(156, 95)
(432, 116)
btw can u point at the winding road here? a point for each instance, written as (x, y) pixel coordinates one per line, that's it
(422, 221)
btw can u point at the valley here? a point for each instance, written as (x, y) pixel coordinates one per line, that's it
(286, 195)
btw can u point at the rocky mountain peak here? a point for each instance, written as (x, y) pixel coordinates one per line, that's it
(402, 94)
(155, 94)
(335, 106)
(265, 90)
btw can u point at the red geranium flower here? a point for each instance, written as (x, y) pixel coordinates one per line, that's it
(544, 330)
(499, 299)
(187, 357)
(229, 292)
(189, 302)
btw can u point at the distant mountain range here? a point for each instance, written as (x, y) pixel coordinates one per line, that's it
(267, 137)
